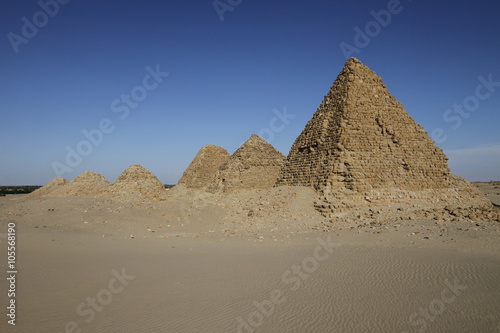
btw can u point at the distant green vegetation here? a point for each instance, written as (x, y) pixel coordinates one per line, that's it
(4, 190)
(17, 189)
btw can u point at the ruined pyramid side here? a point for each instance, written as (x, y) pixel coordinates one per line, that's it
(201, 172)
(305, 162)
(255, 165)
(48, 188)
(88, 183)
(362, 139)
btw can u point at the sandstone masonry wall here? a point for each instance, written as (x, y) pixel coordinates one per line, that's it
(255, 165)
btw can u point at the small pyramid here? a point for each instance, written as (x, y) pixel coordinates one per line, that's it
(87, 184)
(136, 181)
(361, 138)
(202, 169)
(51, 186)
(89, 177)
(256, 164)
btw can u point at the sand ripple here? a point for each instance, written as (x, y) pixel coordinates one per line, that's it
(206, 289)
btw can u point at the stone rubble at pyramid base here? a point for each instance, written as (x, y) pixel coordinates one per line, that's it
(256, 208)
(130, 192)
(460, 199)
(346, 208)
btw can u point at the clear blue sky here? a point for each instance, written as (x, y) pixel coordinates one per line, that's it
(225, 78)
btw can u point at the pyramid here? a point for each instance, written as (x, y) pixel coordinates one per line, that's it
(136, 181)
(87, 184)
(361, 138)
(255, 165)
(202, 169)
(362, 146)
(46, 190)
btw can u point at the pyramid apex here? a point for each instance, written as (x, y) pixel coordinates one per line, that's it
(353, 59)
(135, 168)
(352, 63)
(253, 142)
(89, 176)
(209, 146)
(256, 139)
(356, 66)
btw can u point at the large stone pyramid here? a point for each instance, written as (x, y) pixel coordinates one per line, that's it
(361, 138)
(200, 173)
(361, 147)
(255, 165)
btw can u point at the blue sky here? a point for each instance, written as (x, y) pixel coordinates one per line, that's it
(263, 69)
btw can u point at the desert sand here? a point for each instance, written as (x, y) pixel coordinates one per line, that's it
(190, 268)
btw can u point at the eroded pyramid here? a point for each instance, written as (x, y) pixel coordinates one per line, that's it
(89, 183)
(255, 165)
(48, 188)
(201, 172)
(361, 138)
(136, 181)
(361, 146)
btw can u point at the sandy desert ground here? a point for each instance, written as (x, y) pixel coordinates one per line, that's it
(247, 264)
